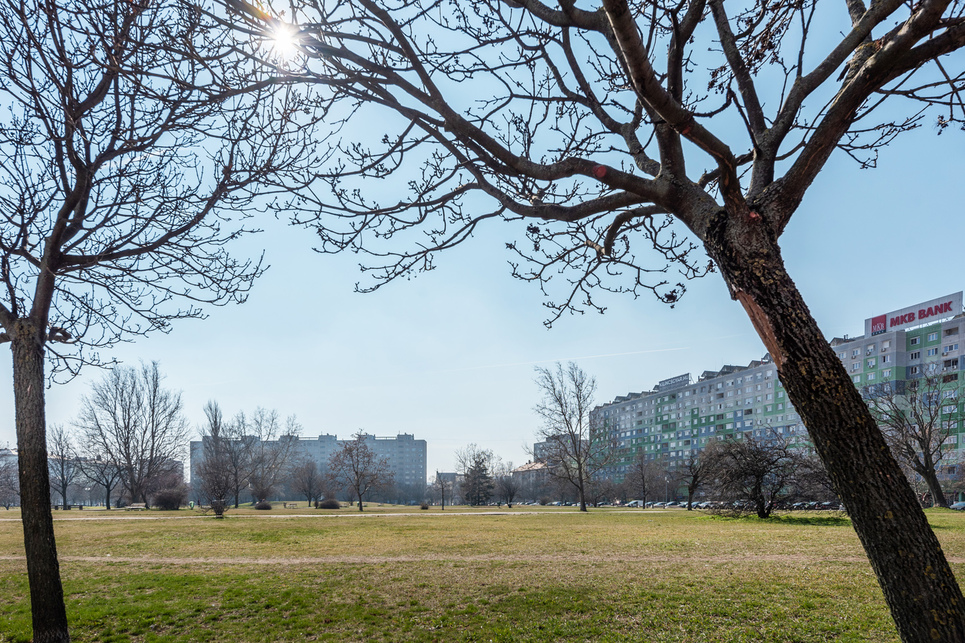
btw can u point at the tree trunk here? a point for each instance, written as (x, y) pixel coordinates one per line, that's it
(922, 593)
(935, 488)
(760, 503)
(43, 570)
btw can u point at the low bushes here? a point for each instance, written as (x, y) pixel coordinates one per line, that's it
(171, 499)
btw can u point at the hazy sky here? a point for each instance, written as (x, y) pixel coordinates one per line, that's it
(449, 356)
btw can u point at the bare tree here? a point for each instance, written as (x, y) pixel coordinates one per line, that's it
(444, 485)
(271, 451)
(601, 490)
(916, 420)
(643, 475)
(812, 481)
(120, 170)
(507, 486)
(137, 424)
(577, 450)
(610, 133)
(355, 467)
(752, 474)
(62, 461)
(307, 480)
(219, 472)
(230, 449)
(693, 472)
(9, 484)
(99, 469)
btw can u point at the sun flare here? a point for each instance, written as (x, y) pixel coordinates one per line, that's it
(284, 41)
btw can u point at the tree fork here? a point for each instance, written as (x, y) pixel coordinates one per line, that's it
(925, 600)
(43, 570)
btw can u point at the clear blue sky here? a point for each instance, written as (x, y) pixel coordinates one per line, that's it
(449, 356)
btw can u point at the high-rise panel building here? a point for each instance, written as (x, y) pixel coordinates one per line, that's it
(677, 417)
(406, 455)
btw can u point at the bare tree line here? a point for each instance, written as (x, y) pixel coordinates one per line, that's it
(611, 135)
(128, 439)
(248, 454)
(610, 139)
(253, 455)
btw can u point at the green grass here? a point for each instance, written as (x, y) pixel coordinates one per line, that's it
(545, 576)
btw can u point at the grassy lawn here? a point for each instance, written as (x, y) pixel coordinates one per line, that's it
(392, 574)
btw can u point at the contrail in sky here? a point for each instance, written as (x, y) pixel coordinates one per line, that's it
(564, 359)
(569, 359)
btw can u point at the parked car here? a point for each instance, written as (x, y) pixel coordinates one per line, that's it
(958, 506)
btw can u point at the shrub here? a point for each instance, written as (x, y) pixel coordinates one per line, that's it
(171, 499)
(219, 507)
(262, 504)
(424, 505)
(330, 503)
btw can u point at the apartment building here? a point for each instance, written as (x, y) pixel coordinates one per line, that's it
(678, 416)
(406, 455)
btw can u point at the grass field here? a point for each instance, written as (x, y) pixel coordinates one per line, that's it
(391, 574)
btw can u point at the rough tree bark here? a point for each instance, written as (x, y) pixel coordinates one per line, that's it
(43, 570)
(904, 552)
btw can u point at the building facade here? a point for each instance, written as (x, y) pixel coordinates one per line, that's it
(406, 456)
(680, 415)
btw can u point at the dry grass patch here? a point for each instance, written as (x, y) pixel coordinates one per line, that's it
(551, 576)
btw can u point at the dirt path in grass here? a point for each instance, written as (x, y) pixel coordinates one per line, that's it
(437, 558)
(795, 559)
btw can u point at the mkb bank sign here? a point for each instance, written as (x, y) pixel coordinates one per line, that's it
(926, 312)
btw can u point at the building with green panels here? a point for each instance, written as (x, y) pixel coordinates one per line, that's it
(675, 420)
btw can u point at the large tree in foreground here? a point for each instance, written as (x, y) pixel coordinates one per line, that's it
(612, 133)
(119, 171)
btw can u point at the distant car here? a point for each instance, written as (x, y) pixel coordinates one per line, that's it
(958, 506)
(635, 503)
